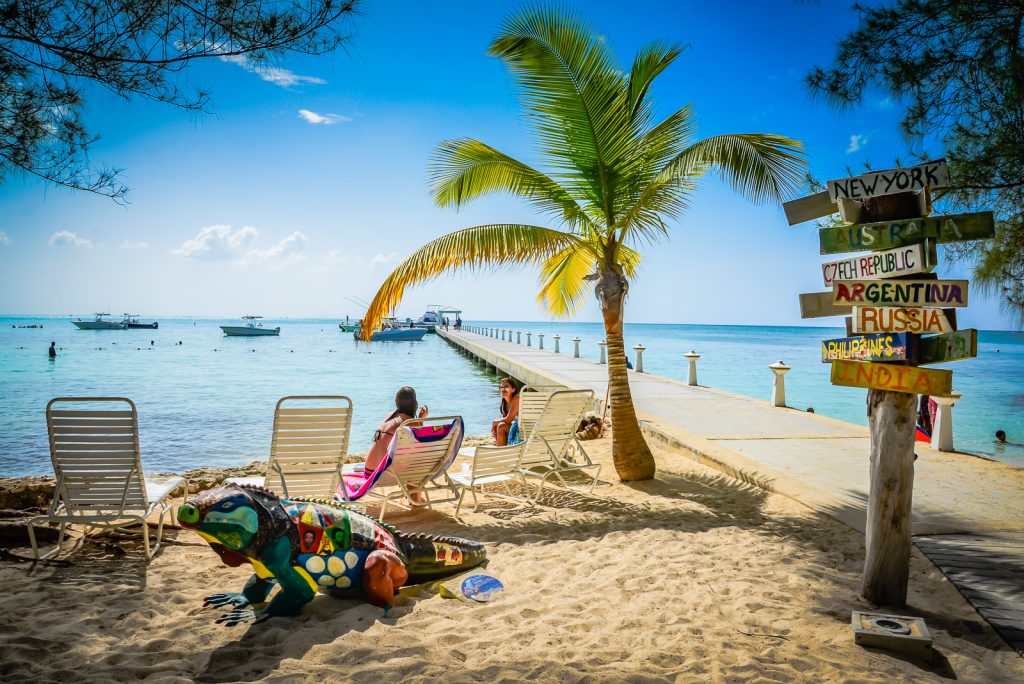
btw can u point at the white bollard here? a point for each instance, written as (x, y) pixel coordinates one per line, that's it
(557, 337)
(779, 368)
(576, 351)
(529, 335)
(503, 335)
(603, 344)
(639, 349)
(540, 340)
(942, 431)
(691, 375)
(519, 339)
(510, 334)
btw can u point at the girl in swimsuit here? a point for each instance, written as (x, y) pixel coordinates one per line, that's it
(406, 407)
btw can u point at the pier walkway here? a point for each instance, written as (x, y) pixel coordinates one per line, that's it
(968, 512)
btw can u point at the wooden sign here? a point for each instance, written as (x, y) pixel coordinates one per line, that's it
(864, 237)
(821, 304)
(933, 174)
(935, 383)
(954, 346)
(908, 260)
(873, 319)
(880, 347)
(941, 293)
(810, 207)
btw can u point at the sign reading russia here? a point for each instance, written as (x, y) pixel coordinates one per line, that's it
(943, 293)
(928, 175)
(888, 234)
(870, 319)
(883, 347)
(934, 383)
(885, 264)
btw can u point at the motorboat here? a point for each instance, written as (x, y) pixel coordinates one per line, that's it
(392, 331)
(99, 323)
(435, 315)
(132, 321)
(348, 327)
(250, 329)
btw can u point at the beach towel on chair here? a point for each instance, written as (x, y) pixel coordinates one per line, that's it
(354, 485)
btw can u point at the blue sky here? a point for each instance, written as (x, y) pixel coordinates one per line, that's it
(308, 183)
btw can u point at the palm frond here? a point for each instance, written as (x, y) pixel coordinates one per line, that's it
(762, 166)
(562, 285)
(649, 62)
(489, 246)
(465, 169)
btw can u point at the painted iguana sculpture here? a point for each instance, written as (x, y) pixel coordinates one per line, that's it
(308, 545)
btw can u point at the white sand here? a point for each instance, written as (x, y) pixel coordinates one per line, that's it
(691, 577)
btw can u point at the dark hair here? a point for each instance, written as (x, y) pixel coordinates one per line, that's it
(405, 402)
(1000, 435)
(516, 386)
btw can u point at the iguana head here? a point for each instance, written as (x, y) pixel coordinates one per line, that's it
(227, 515)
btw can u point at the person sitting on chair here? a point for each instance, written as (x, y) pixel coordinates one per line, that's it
(505, 430)
(406, 407)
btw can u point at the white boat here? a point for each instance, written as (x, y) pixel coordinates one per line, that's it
(250, 329)
(99, 323)
(132, 321)
(435, 315)
(392, 331)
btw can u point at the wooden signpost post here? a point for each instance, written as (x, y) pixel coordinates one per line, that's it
(893, 305)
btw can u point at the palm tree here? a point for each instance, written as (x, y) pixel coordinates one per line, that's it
(614, 178)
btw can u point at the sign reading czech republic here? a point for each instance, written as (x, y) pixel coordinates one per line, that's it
(879, 347)
(888, 263)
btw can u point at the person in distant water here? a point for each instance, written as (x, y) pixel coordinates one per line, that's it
(810, 409)
(1000, 436)
(406, 407)
(53, 350)
(505, 430)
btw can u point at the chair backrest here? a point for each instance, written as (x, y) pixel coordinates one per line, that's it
(424, 447)
(532, 399)
(309, 444)
(556, 427)
(94, 447)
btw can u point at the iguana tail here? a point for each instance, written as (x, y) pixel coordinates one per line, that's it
(431, 557)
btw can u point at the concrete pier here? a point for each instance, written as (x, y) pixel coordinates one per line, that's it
(819, 461)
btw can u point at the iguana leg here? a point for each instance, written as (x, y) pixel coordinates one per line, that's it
(255, 590)
(297, 588)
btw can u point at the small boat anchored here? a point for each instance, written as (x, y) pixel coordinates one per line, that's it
(435, 315)
(391, 331)
(250, 329)
(132, 321)
(99, 323)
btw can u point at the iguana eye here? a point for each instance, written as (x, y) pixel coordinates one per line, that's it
(227, 506)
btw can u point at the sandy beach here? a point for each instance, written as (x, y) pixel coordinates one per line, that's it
(691, 577)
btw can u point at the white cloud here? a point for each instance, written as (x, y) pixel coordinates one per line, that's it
(286, 252)
(856, 142)
(335, 258)
(322, 119)
(275, 75)
(66, 237)
(4, 240)
(217, 242)
(382, 259)
(129, 244)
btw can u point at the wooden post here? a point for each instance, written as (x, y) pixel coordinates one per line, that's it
(891, 418)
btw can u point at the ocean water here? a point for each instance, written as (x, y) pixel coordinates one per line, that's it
(210, 400)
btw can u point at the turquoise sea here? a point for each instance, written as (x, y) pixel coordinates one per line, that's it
(210, 400)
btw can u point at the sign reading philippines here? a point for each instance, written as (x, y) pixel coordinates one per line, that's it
(942, 293)
(881, 347)
(898, 261)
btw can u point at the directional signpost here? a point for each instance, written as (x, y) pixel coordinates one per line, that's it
(901, 317)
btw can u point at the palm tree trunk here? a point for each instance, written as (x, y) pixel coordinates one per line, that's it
(632, 457)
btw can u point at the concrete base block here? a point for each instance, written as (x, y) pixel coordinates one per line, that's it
(898, 633)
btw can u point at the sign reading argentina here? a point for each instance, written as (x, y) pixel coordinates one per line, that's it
(940, 293)
(888, 263)
(933, 174)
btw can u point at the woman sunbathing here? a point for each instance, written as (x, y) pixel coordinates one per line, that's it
(406, 407)
(505, 430)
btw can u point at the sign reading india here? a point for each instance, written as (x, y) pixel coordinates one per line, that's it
(910, 379)
(932, 174)
(872, 319)
(888, 234)
(885, 264)
(881, 347)
(947, 293)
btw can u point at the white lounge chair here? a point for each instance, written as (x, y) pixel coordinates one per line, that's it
(308, 447)
(549, 448)
(419, 462)
(532, 399)
(100, 483)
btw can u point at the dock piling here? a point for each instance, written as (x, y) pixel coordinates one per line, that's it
(576, 351)
(942, 431)
(557, 337)
(639, 349)
(603, 344)
(540, 340)
(691, 375)
(779, 368)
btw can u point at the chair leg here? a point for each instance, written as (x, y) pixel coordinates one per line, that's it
(597, 474)
(476, 502)
(458, 506)
(145, 539)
